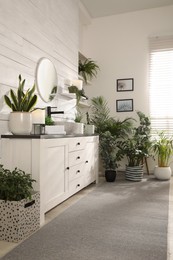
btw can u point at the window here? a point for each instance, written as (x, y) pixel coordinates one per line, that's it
(161, 83)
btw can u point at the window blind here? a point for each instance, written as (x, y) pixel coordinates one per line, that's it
(161, 83)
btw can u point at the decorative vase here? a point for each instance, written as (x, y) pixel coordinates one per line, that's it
(110, 175)
(20, 123)
(162, 173)
(134, 173)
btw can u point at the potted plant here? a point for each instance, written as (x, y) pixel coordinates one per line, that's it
(87, 69)
(109, 155)
(110, 131)
(162, 146)
(136, 148)
(89, 128)
(21, 103)
(20, 213)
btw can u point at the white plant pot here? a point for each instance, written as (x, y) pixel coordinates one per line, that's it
(162, 173)
(78, 128)
(20, 123)
(89, 129)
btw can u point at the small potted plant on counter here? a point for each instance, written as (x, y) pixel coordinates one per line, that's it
(162, 146)
(19, 203)
(21, 103)
(88, 128)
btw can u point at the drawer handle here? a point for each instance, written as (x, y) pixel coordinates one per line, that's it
(68, 168)
(86, 162)
(78, 171)
(78, 185)
(78, 143)
(78, 158)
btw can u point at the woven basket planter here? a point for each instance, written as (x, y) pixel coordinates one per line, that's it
(19, 219)
(134, 173)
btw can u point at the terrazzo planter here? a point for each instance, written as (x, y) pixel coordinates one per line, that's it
(18, 219)
(134, 173)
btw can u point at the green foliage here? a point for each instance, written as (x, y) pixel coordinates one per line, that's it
(74, 89)
(110, 130)
(137, 146)
(49, 120)
(21, 101)
(78, 117)
(109, 151)
(15, 185)
(88, 69)
(99, 113)
(162, 146)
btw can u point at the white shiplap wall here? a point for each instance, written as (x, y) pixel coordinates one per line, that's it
(29, 30)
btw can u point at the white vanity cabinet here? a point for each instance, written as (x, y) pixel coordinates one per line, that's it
(61, 166)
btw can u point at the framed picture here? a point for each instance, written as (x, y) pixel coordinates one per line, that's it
(125, 84)
(124, 105)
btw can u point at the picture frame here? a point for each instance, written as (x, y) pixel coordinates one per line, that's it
(125, 84)
(124, 105)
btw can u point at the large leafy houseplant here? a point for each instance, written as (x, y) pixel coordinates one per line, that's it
(87, 69)
(110, 131)
(15, 185)
(21, 101)
(136, 148)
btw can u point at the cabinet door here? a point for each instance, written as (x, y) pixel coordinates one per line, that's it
(53, 174)
(90, 167)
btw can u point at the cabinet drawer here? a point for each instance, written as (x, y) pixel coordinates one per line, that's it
(75, 185)
(76, 157)
(77, 144)
(76, 171)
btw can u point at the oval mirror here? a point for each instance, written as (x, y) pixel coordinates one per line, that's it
(46, 79)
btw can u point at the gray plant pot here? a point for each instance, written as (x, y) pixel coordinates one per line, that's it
(18, 219)
(134, 173)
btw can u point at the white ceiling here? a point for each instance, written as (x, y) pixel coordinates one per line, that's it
(99, 8)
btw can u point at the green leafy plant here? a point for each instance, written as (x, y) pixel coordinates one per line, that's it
(74, 89)
(137, 146)
(162, 146)
(49, 120)
(110, 131)
(88, 69)
(109, 151)
(78, 117)
(21, 101)
(15, 185)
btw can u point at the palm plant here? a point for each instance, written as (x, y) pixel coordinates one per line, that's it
(163, 148)
(87, 69)
(21, 101)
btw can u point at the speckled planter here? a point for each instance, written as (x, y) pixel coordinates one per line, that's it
(18, 219)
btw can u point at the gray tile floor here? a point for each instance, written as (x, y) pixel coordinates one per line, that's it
(7, 246)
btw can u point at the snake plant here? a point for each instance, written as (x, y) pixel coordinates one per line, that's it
(21, 101)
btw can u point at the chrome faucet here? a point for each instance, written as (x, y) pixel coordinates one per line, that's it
(50, 112)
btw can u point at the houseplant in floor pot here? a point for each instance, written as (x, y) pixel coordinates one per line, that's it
(162, 146)
(21, 103)
(19, 204)
(136, 148)
(109, 155)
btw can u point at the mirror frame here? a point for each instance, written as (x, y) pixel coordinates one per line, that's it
(46, 79)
